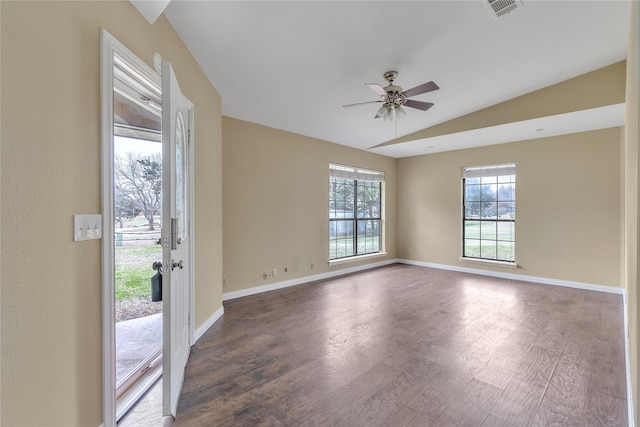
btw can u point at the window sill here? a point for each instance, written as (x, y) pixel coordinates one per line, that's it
(490, 262)
(357, 258)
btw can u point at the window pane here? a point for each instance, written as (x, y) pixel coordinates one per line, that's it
(506, 231)
(472, 193)
(472, 181)
(472, 229)
(340, 239)
(472, 248)
(489, 179)
(506, 192)
(506, 210)
(506, 251)
(368, 236)
(488, 249)
(472, 210)
(340, 198)
(368, 199)
(488, 230)
(489, 193)
(488, 210)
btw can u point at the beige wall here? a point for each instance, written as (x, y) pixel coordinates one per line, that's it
(631, 187)
(275, 203)
(568, 206)
(51, 287)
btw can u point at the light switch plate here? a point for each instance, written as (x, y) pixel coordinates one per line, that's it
(87, 227)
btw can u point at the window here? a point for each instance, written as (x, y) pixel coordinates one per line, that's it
(489, 222)
(355, 211)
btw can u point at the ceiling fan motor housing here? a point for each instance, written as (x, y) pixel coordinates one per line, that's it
(395, 95)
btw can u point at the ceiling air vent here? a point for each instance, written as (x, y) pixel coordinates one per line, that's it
(498, 8)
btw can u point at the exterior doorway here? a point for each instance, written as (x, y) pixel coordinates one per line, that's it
(137, 213)
(147, 207)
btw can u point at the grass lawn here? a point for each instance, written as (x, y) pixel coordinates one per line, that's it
(340, 248)
(133, 270)
(493, 240)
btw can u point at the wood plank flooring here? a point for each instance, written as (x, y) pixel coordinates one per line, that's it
(408, 346)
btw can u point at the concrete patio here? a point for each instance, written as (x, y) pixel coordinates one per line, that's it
(136, 340)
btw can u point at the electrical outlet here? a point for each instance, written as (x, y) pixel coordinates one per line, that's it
(87, 227)
(274, 272)
(224, 282)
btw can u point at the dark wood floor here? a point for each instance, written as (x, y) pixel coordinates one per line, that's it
(410, 346)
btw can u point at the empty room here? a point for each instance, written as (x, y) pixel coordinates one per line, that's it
(383, 213)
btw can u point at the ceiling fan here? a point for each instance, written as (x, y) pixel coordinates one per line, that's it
(393, 98)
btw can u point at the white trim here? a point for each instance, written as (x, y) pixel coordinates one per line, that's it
(534, 279)
(355, 173)
(357, 258)
(109, 46)
(504, 169)
(207, 324)
(493, 262)
(191, 225)
(143, 385)
(301, 280)
(627, 361)
(522, 277)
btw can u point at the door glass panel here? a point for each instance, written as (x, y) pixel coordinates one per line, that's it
(181, 182)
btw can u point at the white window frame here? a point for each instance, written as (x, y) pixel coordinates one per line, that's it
(358, 174)
(489, 171)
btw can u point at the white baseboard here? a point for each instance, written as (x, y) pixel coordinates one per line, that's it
(299, 281)
(522, 277)
(627, 361)
(198, 333)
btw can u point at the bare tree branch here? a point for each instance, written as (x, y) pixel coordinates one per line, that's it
(138, 181)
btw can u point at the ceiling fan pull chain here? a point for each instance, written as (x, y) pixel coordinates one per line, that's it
(395, 120)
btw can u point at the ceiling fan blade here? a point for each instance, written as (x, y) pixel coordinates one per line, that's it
(424, 106)
(361, 103)
(423, 88)
(376, 88)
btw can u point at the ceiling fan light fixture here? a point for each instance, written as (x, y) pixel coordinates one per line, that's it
(400, 112)
(388, 114)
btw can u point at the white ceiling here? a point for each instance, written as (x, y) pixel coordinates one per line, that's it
(291, 65)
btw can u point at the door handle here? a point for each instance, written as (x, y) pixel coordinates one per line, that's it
(174, 234)
(179, 264)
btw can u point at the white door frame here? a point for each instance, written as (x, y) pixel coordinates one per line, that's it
(109, 46)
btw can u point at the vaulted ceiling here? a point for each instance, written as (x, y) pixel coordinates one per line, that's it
(291, 65)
